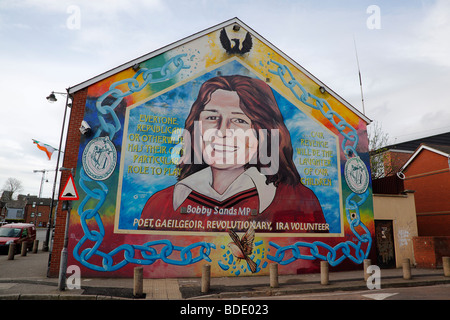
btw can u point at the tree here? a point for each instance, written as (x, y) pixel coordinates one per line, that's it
(380, 162)
(13, 186)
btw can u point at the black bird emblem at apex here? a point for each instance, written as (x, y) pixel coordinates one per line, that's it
(236, 48)
(242, 248)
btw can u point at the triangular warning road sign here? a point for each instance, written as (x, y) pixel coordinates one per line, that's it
(69, 192)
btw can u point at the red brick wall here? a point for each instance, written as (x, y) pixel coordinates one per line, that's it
(428, 251)
(70, 161)
(395, 160)
(429, 176)
(433, 224)
(38, 221)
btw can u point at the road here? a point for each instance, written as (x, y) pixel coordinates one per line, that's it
(437, 292)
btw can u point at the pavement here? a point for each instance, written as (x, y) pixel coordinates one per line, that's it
(25, 278)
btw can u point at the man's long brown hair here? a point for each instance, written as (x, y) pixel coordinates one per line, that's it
(257, 101)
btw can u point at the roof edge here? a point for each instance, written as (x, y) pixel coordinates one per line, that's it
(420, 149)
(149, 55)
(172, 45)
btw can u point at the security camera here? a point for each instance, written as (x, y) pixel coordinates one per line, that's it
(85, 128)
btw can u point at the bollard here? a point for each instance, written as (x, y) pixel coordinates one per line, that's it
(446, 265)
(24, 249)
(406, 269)
(273, 270)
(206, 278)
(367, 263)
(12, 251)
(138, 283)
(324, 276)
(35, 246)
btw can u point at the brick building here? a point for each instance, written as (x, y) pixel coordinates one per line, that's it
(425, 166)
(427, 172)
(12, 210)
(393, 157)
(26, 208)
(37, 211)
(70, 161)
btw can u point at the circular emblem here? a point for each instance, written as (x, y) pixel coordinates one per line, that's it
(99, 158)
(356, 175)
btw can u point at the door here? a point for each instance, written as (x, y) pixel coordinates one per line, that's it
(384, 235)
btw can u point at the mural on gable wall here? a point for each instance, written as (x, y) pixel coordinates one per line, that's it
(219, 151)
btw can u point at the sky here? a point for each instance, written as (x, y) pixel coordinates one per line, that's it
(402, 48)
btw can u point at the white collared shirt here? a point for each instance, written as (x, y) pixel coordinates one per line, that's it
(201, 182)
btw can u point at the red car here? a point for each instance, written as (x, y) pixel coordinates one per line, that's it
(17, 233)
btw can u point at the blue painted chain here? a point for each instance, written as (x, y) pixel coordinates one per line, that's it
(148, 252)
(352, 204)
(321, 104)
(148, 76)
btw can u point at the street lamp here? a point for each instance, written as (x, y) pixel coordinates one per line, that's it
(52, 98)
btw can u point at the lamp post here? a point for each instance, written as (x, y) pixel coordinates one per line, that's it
(52, 98)
(40, 193)
(64, 252)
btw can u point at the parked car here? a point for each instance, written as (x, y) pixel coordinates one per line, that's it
(17, 233)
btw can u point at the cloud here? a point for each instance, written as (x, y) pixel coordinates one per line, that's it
(433, 32)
